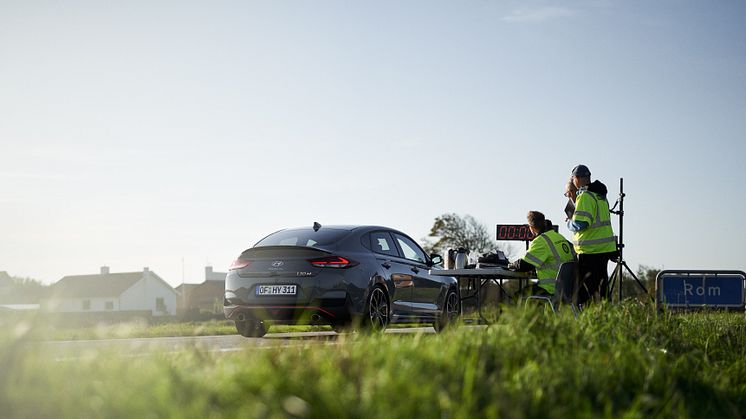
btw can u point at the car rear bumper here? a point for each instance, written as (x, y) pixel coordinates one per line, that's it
(323, 311)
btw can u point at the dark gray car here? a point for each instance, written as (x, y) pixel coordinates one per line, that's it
(338, 275)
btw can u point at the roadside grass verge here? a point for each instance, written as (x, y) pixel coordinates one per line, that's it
(613, 361)
(136, 329)
(143, 329)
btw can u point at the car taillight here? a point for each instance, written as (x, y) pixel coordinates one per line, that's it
(332, 262)
(239, 264)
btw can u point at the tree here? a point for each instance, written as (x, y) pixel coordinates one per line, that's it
(23, 291)
(630, 287)
(453, 231)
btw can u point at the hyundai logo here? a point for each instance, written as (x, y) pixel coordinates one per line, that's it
(277, 263)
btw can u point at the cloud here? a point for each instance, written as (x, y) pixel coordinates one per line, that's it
(538, 15)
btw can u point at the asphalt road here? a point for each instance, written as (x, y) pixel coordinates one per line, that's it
(73, 349)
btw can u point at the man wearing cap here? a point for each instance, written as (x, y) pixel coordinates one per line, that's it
(593, 237)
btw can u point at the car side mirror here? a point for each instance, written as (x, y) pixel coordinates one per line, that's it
(436, 259)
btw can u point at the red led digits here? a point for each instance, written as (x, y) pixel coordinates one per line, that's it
(517, 232)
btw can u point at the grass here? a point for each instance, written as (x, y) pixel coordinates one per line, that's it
(613, 361)
(143, 329)
(140, 329)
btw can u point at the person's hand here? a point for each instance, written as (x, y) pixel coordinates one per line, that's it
(513, 265)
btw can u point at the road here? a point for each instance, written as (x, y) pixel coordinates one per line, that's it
(74, 349)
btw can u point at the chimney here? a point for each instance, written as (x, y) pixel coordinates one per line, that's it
(208, 273)
(104, 270)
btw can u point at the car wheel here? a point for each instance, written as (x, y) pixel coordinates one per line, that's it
(251, 328)
(377, 310)
(451, 311)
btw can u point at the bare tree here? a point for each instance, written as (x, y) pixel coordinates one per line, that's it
(453, 231)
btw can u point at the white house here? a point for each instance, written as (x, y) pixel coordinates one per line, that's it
(112, 292)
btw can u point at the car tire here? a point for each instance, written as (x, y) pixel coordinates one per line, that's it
(451, 311)
(377, 310)
(251, 328)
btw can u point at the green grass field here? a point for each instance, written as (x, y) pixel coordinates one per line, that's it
(613, 361)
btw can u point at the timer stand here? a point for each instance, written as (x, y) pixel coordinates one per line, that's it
(617, 274)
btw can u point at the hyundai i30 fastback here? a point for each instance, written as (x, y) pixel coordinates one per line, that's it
(338, 275)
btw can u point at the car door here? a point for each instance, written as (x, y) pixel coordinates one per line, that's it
(427, 289)
(387, 255)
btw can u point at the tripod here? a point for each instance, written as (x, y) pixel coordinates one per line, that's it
(616, 276)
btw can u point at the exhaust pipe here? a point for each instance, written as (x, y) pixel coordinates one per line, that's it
(315, 317)
(241, 317)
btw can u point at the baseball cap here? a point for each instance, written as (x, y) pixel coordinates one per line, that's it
(581, 170)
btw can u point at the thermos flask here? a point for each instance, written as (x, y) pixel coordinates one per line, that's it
(450, 262)
(460, 258)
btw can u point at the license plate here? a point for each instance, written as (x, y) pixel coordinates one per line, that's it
(276, 290)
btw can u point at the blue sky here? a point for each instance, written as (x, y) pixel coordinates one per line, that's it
(176, 134)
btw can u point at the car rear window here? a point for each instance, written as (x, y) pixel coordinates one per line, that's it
(304, 237)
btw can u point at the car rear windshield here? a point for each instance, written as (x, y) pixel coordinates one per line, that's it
(304, 237)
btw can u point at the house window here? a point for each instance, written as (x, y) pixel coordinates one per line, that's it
(160, 304)
(86, 304)
(110, 305)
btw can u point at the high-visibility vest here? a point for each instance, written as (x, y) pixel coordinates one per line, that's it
(546, 253)
(599, 236)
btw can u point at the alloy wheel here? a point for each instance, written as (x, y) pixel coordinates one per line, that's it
(451, 312)
(378, 309)
(453, 309)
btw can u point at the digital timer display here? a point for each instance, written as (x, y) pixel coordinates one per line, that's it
(518, 232)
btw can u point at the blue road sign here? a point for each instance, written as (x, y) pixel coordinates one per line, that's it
(716, 289)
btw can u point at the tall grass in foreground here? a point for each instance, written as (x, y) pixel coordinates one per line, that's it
(613, 361)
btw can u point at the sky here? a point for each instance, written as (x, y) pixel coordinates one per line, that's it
(175, 134)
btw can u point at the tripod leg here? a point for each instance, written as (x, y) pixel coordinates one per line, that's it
(615, 280)
(638, 281)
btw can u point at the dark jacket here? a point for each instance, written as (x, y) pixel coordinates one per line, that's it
(598, 188)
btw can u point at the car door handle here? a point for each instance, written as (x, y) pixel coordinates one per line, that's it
(415, 269)
(386, 265)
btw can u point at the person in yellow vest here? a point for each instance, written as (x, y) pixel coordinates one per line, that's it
(593, 236)
(547, 251)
